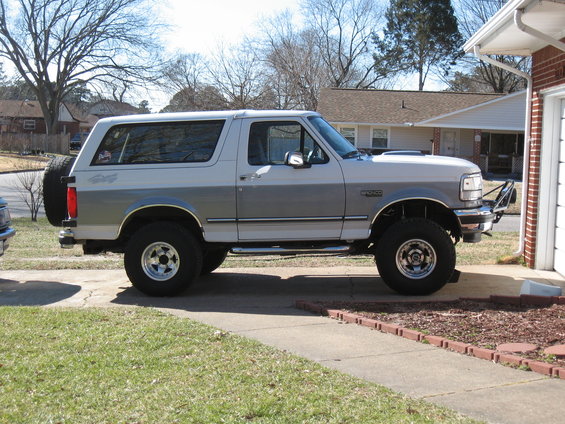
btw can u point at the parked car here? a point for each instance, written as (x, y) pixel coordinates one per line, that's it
(177, 192)
(77, 140)
(6, 232)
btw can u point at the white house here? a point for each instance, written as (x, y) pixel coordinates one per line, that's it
(487, 129)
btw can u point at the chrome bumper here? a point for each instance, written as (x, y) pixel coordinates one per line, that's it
(476, 221)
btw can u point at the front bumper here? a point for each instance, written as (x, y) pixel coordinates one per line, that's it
(474, 222)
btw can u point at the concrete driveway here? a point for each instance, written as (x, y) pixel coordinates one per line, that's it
(259, 303)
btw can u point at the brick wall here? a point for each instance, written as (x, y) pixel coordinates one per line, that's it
(548, 70)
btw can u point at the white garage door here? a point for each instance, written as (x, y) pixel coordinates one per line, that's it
(559, 261)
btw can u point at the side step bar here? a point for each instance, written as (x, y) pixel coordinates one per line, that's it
(330, 250)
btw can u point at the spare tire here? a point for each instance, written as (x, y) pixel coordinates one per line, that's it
(55, 191)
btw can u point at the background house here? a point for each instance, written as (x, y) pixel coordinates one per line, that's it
(487, 129)
(536, 28)
(25, 116)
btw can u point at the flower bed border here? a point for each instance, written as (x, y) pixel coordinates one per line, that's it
(464, 348)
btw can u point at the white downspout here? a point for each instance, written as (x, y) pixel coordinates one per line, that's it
(527, 128)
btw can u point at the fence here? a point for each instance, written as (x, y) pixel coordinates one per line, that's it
(26, 143)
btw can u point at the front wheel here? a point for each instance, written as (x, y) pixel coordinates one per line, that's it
(415, 257)
(162, 259)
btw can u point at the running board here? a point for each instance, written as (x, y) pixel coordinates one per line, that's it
(332, 250)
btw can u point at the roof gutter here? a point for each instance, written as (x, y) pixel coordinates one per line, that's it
(534, 32)
(527, 128)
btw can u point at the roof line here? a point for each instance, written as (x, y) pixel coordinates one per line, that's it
(456, 112)
(414, 91)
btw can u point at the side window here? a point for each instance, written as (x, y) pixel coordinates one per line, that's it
(169, 142)
(270, 141)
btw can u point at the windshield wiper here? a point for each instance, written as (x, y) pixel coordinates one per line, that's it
(352, 154)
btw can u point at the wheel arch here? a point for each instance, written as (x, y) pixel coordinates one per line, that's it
(416, 207)
(141, 215)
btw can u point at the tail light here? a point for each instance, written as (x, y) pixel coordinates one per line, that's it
(72, 207)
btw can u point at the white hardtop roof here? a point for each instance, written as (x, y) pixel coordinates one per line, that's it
(207, 115)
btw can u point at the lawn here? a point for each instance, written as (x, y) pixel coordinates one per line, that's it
(10, 162)
(123, 365)
(36, 247)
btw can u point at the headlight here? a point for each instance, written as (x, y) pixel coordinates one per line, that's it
(471, 187)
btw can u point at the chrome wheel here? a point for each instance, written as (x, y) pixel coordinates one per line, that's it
(416, 259)
(160, 261)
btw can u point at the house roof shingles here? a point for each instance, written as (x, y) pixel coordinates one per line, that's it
(20, 109)
(391, 107)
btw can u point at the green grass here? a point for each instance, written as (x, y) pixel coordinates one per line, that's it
(121, 365)
(36, 247)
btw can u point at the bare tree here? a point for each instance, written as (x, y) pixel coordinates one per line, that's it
(29, 185)
(239, 75)
(344, 29)
(56, 45)
(472, 15)
(294, 65)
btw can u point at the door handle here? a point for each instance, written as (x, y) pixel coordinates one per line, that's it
(252, 176)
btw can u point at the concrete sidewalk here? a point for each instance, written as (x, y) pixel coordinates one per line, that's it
(259, 303)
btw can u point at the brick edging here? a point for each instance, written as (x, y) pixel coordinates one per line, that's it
(465, 348)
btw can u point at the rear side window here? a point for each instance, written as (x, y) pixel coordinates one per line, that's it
(169, 142)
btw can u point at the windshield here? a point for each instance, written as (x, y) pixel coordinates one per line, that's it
(339, 143)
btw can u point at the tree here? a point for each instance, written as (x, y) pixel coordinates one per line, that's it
(56, 45)
(420, 36)
(184, 77)
(239, 75)
(473, 14)
(344, 30)
(295, 69)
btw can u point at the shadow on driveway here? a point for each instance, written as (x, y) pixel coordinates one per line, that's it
(34, 293)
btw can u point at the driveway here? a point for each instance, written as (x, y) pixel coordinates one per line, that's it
(259, 303)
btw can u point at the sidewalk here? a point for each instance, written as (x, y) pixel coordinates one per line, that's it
(259, 304)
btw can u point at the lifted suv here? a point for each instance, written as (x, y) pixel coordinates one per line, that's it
(177, 192)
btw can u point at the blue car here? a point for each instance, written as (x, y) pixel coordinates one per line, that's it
(6, 232)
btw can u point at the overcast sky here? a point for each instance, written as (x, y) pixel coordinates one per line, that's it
(200, 25)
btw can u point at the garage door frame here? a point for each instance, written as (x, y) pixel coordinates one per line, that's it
(547, 201)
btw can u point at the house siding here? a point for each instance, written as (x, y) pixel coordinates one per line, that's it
(504, 114)
(548, 65)
(411, 138)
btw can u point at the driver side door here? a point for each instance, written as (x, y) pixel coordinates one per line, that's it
(276, 201)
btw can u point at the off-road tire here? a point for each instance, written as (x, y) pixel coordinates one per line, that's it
(212, 260)
(415, 256)
(55, 191)
(163, 259)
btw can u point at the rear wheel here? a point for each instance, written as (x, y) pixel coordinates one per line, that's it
(212, 260)
(162, 259)
(415, 257)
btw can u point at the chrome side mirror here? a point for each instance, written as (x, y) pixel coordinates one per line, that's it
(296, 160)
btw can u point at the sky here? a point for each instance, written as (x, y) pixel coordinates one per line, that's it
(201, 25)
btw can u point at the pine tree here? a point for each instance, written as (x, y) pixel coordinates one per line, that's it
(420, 36)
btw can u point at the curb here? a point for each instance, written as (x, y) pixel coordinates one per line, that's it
(442, 342)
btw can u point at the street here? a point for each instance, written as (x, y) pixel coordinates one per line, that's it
(10, 191)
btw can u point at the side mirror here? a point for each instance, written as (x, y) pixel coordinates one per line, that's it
(296, 160)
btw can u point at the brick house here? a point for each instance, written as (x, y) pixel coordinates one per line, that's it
(25, 116)
(536, 28)
(487, 129)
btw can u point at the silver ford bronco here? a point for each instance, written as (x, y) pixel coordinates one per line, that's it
(176, 192)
